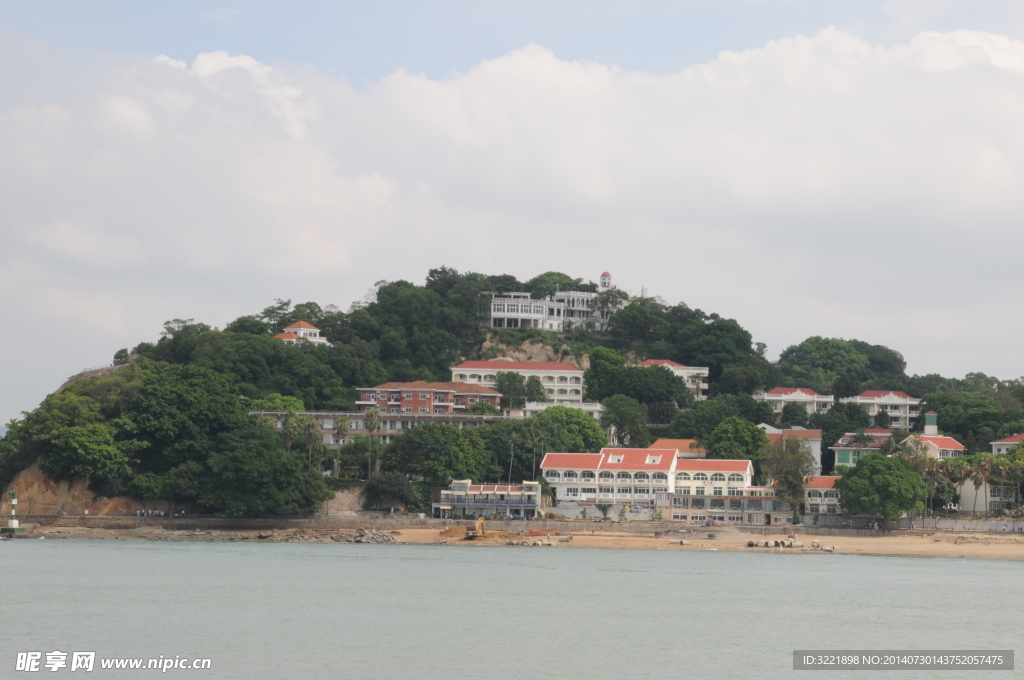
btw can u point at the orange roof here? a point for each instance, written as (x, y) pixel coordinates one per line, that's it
(942, 442)
(872, 394)
(571, 461)
(302, 324)
(518, 366)
(705, 464)
(458, 387)
(793, 434)
(1015, 439)
(287, 336)
(820, 482)
(636, 459)
(605, 274)
(661, 362)
(791, 390)
(677, 444)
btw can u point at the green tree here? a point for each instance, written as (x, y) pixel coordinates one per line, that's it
(882, 486)
(535, 391)
(882, 420)
(629, 418)
(788, 463)
(817, 362)
(846, 385)
(388, 490)
(604, 509)
(600, 377)
(572, 430)
(512, 387)
(702, 419)
(483, 408)
(736, 438)
(794, 415)
(277, 402)
(439, 452)
(550, 283)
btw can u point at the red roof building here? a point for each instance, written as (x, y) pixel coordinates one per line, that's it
(902, 409)
(301, 331)
(813, 402)
(563, 382)
(1005, 445)
(421, 397)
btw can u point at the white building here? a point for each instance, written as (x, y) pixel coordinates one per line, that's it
(562, 382)
(301, 331)
(464, 498)
(592, 408)
(560, 312)
(902, 408)
(936, 445)
(821, 496)
(780, 396)
(613, 477)
(986, 498)
(1003, 446)
(696, 377)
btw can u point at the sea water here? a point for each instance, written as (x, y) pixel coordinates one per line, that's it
(308, 611)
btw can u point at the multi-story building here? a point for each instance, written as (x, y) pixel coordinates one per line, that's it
(849, 449)
(613, 477)
(562, 382)
(419, 397)
(464, 498)
(778, 397)
(696, 377)
(1005, 445)
(388, 427)
(821, 496)
(812, 437)
(560, 312)
(902, 408)
(936, 445)
(301, 331)
(987, 498)
(594, 409)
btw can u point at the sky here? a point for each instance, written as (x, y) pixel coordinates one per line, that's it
(845, 169)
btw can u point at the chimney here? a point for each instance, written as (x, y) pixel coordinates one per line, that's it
(931, 423)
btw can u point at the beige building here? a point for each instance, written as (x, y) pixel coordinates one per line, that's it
(902, 408)
(562, 382)
(696, 377)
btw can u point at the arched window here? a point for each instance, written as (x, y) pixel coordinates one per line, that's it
(718, 477)
(586, 474)
(682, 476)
(623, 475)
(550, 391)
(462, 376)
(606, 475)
(551, 474)
(562, 391)
(474, 377)
(576, 381)
(734, 477)
(660, 475)
(562, 379)
(488, 378)
(700, 477)
(814, 494)
(641, 475)
(548, 378)
(569, 474)
(574, 391)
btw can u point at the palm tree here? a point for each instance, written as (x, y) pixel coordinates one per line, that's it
(371, 422)
(341, 430)
(309, 430)
(290, 430)
(981, 471)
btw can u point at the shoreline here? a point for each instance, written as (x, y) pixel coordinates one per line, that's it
(959, 545)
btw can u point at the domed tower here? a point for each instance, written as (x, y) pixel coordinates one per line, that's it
(606, 281)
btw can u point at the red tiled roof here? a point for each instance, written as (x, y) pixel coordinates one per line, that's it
(793, 434)
(792, 390)
(1015, 439)
(820, 482)
(636, 459)
(708, 464)
(302, 324)
(518, 366)
(461, 388)
(661, 362)
(605, 274)
(287, 336)
(571, 461)
(884, 393)
(677, 444)
(942, 442)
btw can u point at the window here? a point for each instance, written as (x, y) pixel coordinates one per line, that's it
(606, 475)
(642, 490)
(735, 504)
(394, 409)
(813, 508)
(718, 477)
(844, 457)
(498, 307)
(424, 396)
(576, 381)
(623, 490)
(551, 391)
(569, 474)
(717, 491)
(679, 515)
(696, 502)
(734, 491)
(488, 378)
(438, 410)
(814, 494)
(472, 400)
(513, 309)
(607, 489)
(548, 378)
(424, 409)
(660, 475)
(587, 474)
(718, 504)
(562, 380)
(754, 505)
(538, 309)
(684, 490)
(735, 477)
(407, 409)
(641, 475)
(572, 491)
(698, 491)
(735, 518)
(623, 475)
(679, 502)
(552, 474)
(681, 476)
(831, 494)
(700, 477)
(832, 509)
(589, 489)
(653, 460)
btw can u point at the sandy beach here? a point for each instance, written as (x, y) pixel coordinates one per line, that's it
(994, 545)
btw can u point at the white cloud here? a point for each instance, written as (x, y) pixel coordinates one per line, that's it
(816, 185)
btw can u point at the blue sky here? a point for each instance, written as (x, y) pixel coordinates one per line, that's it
(846, 169)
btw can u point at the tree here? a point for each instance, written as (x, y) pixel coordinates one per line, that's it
(794, 415)
(572, 430)
(549, 283)
(483, 408)
(737, 438)
(277, 402)
(251, 474)
(604, 509)
(390, 489)
(846, 385)
(309, 431)
(512, 387)
(371, 423)
(817, 362)
(702, 419)
(439, 452)
(882, 486)
(629, 418)
(600, 376)
(535, 391)
(788, 463)
(882, 419)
